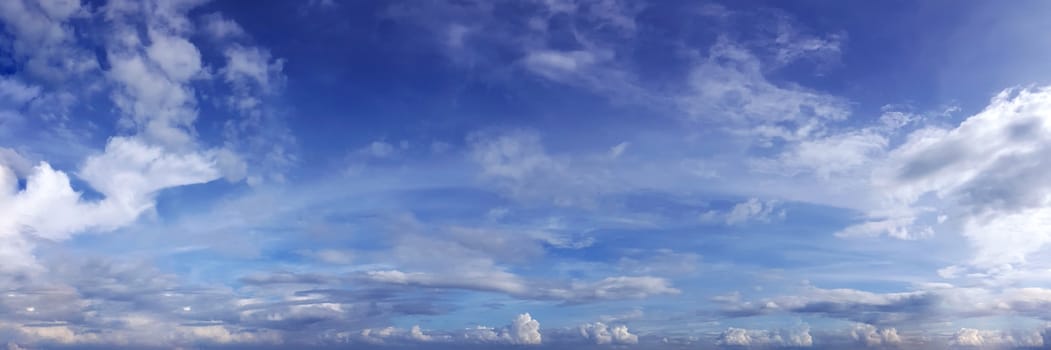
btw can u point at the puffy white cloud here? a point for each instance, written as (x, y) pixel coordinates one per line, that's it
(978, 338)
(525, 330)
(142, 331)
(482, 334)
(396, 335)
(984, 176)
(219, 334)
(740, 337)
(600, 333)
(177, 57)
(162, 108)
(871, 336)
(128, 174)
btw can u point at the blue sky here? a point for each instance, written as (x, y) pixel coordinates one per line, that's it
(559, 174)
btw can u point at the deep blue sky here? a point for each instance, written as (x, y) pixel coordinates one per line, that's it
(558, 174)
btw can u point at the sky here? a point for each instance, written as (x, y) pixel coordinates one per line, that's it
(525, 174)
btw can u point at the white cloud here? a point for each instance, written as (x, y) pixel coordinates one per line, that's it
(160, 108)
(177, 57)
(729, 87)
(790, 44)
(15, 93)
(837, 155)
(871, 336)
(44, 38)
(496, 280)
(752, 210)
(15, 162)
(147, 331)
(517, 162)
(984, 176)
(977, 338)
(417, 334)
(128, 174)
(600, 333)
(619, 149)
(734, 337)
(220, 28)
(252, 66)
(525, 330)
(557, 65)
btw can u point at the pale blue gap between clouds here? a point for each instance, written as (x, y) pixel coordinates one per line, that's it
(161, 188)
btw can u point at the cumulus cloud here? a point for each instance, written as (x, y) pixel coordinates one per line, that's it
(600, 333)
(872, 336)
(740, 337)
(970, 338)
(395, 335)
(147, 332)
(129, 174)
(982, 176)
(525, 330)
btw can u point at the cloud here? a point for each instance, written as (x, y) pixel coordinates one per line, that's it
(252, 66)
(43, 38)
(982, 175)
(740, 337)
(849, 304)
(662, 262)
(221, 28)
(791, 44)
(610, 288)
(128, 174)
(600, 333)
(395, 335)
(155, 94)
(752, 210)
(557, 65)
(525, 330)
(837, 155)
(871, 336)
(517, 163)
(729, 87)
(970, 338)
